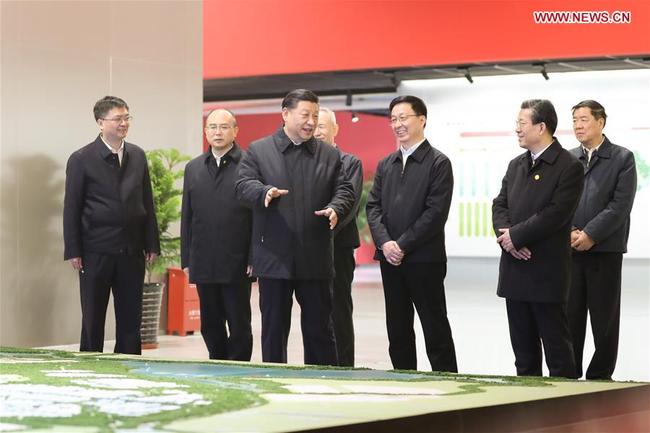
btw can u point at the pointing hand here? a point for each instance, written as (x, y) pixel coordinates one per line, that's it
(274, 193)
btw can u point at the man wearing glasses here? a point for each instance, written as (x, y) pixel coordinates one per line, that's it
(110, 228)
(215, 239)
(407, 211)
(532, 220)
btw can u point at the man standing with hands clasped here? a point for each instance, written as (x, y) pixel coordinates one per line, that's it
(407, 211)
(532, 219)
(297, 190)
(601, 226)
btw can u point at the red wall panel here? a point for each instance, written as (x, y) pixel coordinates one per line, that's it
(264, 37)
(254, 126)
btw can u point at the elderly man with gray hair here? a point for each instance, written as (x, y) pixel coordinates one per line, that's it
(346, 239)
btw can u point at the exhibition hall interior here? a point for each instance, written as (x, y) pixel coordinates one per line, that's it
(471, 63)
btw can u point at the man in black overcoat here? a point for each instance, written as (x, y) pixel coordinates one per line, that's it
(297, 191)
(532, 219)
(215, 240)
(109, 228)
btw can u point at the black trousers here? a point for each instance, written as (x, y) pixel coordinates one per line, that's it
(124, 275)
(422, 285)
(344, 265)
(596, 288)
(229, 304)
(315, 299)
(531, 321)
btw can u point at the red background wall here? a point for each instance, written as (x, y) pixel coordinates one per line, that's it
(264, 37)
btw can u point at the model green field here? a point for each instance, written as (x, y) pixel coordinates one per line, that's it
(53, 391)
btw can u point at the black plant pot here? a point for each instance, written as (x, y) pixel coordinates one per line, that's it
(151, 299)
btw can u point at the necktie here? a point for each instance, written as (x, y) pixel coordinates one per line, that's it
(590, 155)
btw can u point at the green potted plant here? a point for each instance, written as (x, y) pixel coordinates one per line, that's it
(365, 252)
(166, 171)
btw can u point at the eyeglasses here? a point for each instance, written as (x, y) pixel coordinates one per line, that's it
(119, 119)
(213, 127)
(401, 119)
(519, 124)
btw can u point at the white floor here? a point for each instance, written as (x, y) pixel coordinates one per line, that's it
(477, 317)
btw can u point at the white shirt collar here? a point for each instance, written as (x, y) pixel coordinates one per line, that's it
(218, 158)
(536, 155)
(110, 147)
(590, 151)
(120, 151)
(408, 152)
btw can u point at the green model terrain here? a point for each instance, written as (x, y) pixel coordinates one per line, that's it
(54, 391)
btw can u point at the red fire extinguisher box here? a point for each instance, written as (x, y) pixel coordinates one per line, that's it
(183, 312)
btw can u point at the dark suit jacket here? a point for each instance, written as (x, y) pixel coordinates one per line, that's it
(411, 205)
(107, 208)
(215, 226)
(346, 233)
(537, 204)
(606, 201)
(289, 241)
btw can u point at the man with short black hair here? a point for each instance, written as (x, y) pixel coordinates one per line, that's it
(215, 239)
(532, 219)
(407, 209)
(110, 228)
(346, 239)
(298, 192)
(601, 227)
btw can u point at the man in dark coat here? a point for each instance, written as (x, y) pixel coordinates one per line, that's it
(601, 226)
(346, 239)
(297, 191)
(215, 240)
(532, 219)
(109, 228)
(407, 211)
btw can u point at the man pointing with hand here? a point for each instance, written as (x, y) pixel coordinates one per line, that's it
(329, 212)
(297, 191)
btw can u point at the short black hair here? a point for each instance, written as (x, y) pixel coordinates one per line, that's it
(295, 96)
(597, 110)
(106, 104)
(542, 110)
(416, 103)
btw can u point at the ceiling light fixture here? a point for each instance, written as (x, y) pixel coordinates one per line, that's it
(468, 75)
(348, 98)
(544, 73)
